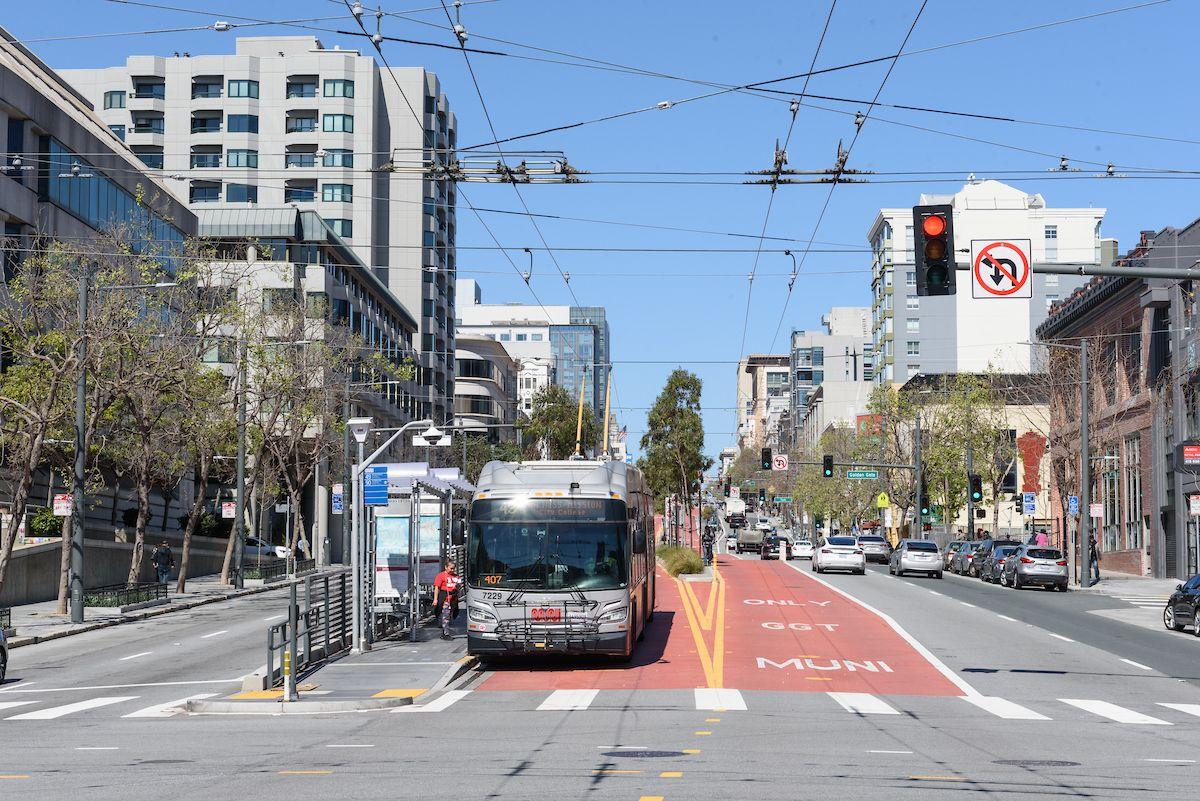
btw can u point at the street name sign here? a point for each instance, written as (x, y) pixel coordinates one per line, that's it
(862, 474)
(783, 499)
(1000, 269)
(779, 462)
(375, 485)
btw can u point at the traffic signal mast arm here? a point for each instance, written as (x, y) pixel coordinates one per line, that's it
(1181, 273)
(881, 465)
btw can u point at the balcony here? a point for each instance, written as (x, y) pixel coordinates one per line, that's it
(205, 160)
(301, 89)
(299, 124)
(300, 160)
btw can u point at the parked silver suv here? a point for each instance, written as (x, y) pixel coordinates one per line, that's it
(1036, 566)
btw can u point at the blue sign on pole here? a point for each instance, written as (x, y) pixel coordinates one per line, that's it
(628, 458)
(1029, 502)
(375, 486)
(1073, 504)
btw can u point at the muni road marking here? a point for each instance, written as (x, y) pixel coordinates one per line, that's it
(568, 700)
(169, 709)
(863, 704)
(1003, 708)
(67, 709)
(1113, 712)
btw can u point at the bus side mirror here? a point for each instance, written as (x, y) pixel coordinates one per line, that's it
(639, 540)
(458, 532)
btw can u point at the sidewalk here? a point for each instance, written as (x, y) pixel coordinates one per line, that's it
(39, 622)
(1125, 585)
(395, 672)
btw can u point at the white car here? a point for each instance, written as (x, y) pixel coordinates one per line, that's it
(764, 525)
(256, 547)
(803, 549)
(731, 542)
(840, 553)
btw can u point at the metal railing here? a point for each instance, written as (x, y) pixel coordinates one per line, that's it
(124, 594)
(304, 566)
(322, 617)
(266, 571)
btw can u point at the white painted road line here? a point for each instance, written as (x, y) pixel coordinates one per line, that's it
(964, 603)
(889, 752)
(167, 710)
(350, 745)
(1113, 712)
(96, 748)
(215, 634)
(1138, 665)
(59, 711)
(443, 701)
(568, 700)
(1150, 759)
(1059, 637)
(1009, 619)
(11, 704)
(716, 698)
(273, 617)
(1188, 709)
(1003, 708)
(863, 704)
(237, 680)
(134, 656)
(934, 592)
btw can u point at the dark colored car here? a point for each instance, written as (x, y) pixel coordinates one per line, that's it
(993, 564)
(960, 563)
(773, 545)
(1183, 607)
(951, 550)
(982, 551)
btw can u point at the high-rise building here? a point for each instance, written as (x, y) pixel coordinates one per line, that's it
(563, 345)
(841, 353)
(959, 333)
(285, 122)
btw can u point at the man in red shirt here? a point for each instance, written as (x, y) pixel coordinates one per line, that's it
(446, 587)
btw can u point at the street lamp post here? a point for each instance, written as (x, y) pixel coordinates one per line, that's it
(239, 514)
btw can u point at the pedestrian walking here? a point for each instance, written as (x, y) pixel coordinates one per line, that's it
(446, 586)
(1094, 552)
(1043, 539)
(163, 561)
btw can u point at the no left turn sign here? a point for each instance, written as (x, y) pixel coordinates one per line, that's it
(779, 462)
(1000, 268)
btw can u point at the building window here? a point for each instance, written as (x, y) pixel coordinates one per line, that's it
(910, 278)
(243, 88)
(300, 160)
(1110, 497)
(278, 300)
(151, 158)
(1133, 492)
(205, 90)
(535, 337)
(912, 303)
(522, 337)
(341, 227)
(1132, 357)
(1051, 243)
(152, 90)
(300, 193)
(912, 325)
(338, 158)
(912, 348)
(913, 369)
(1051, 300)
(304, 88)
(1052, 232)
(204, 159)
(149, 123)
(506, 337)
(243, 123)
(337, 193)
(343, 123)
(1051, 280)
(114, 100)
(297, 123)
(339, 87)
(241, 193)
(204, 193)
(242, 158)
(118, 131)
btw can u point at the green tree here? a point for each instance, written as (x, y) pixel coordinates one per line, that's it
(480, 452)
(550, 429)
(673, 444)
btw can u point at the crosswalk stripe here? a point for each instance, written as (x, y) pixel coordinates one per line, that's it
(568, 700)
(443, 701)
(11, 704)
(67, 709)
(168, 709)
(863, 703)
(1003, 708)
(1113, 712)
(1190, 709)
(718, 698)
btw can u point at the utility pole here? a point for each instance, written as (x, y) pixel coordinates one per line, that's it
(75, 579)
(1085, 471)
(919, 474)
(239, 515)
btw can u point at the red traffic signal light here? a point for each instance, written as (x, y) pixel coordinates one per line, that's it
(934, 225)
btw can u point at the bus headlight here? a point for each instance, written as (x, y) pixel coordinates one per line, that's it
(617, 615)
(481, 615)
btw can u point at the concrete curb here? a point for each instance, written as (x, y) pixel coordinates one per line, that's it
(18, 642)
(453, 673)
(293, 708)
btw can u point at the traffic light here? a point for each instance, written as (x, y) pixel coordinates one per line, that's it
(975, 481)
(727, 487)
(827, 465)
(925, 507)
(1019, 504)
(766, 458)
(933, 249)
(762, 496)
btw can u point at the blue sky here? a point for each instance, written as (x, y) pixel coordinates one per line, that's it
(1126, 72)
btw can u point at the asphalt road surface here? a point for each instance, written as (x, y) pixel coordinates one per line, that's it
(769, 682)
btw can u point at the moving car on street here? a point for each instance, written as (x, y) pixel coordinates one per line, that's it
(731, 541)
(1036, 566)
(993, 564)
(875, 548)
(916, 556)
(735, 513)
(775, 547)
(803, 549)
(749, 539)
(764, 525)
(1183, 607)
(840, 553)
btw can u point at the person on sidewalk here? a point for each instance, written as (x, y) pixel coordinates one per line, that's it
(163, 561)
(1094, 551)
(445, 597)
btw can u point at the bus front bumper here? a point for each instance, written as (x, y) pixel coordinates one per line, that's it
(615, 643)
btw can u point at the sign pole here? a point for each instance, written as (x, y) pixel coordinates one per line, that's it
(1085, 471)
(970, 502)
(917, 468)
(356, 566)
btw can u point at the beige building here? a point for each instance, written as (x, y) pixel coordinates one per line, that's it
(762, 399)
(485, 389)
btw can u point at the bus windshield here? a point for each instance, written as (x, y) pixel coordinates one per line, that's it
(548, 544)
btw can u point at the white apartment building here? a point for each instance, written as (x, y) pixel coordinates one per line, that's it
(762, 399)
(842, 352)
(285, 122)
(958, 333)
(485, 390)
(834, 404)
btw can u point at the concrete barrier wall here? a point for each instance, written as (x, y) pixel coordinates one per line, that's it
(34, 570)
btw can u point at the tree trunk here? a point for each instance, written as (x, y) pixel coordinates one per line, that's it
(64, 566)
(20, 500)
(295, 498)
(139, 529)
(168, 494)
(192, 521)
